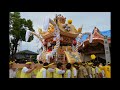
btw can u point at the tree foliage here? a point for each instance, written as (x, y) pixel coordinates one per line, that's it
(17, 29)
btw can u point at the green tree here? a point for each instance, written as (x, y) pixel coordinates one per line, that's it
(17, 29)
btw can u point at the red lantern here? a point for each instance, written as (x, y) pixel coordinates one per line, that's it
(74, 42)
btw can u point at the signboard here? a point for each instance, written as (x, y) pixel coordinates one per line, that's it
(107, 50)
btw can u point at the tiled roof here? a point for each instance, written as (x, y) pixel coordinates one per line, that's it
(104, 33)
(27, 52)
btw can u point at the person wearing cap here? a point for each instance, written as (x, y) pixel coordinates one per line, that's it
(35, 71)
(98, 71)
(93, 71)
(50, 71)
(10, 64)
(102, 70)
(107, 70)
(59, 70)
(90, 69)
(81, 71)
(85, 73)
(18, 73)
(74, 70)
(12, 71)
(26, 71)
(42, 73)
(67, 73)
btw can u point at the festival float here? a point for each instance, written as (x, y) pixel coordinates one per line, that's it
(58, 38)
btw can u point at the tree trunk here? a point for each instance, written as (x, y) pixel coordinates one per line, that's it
(16, 44)
(12, 50)
(15, 48)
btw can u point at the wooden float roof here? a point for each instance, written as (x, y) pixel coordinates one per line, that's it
(71, 34)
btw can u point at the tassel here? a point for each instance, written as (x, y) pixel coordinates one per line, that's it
(27, 35)
(46, 24)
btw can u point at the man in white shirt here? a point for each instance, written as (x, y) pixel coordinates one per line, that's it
(12, 71)
(26, 71)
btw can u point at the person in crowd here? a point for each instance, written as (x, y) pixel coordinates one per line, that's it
(93, 71)
(68, 71)
(12, 70)
(81, 71)
(50, 70)
(74, 70)
(42, 73)
(102, 70)
(59, 71)
(18, 72)
(89, 69)
(107, 69)
(27, 70)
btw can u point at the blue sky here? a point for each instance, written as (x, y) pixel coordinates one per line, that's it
(89, 20)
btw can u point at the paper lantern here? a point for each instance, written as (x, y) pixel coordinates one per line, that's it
(70, 21)
(93, 56)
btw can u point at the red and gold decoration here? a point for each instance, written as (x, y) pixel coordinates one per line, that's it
(65, 36)
(51, 28)
(74, 42)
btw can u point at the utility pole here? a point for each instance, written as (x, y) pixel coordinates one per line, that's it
(107, 50)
